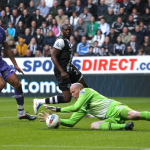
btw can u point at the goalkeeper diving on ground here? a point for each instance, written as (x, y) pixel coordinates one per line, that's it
(112, 114)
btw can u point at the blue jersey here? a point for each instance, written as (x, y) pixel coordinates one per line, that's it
(2, 39)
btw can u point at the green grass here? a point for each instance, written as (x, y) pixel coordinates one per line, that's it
(18, 134)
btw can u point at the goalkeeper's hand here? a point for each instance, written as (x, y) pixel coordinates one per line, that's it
(52, 108)
(43, 115)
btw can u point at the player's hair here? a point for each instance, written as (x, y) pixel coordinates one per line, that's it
(78, 85)
(65, 26)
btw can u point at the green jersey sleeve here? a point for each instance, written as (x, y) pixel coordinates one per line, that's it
(84, 97)
(75, 118)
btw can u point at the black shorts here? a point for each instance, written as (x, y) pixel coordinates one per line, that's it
(74, 77)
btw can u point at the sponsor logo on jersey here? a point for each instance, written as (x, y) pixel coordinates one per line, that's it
(58, 45)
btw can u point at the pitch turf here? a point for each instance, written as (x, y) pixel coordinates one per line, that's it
(18, 134)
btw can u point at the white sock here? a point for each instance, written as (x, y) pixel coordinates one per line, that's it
(21, 111)
(41, 101)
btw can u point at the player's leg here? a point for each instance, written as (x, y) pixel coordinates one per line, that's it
(104, 125)
(13, 80)
(83, 82)
(2, 82)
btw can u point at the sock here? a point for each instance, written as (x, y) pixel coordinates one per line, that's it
(20, 101)
(111, 126)
(145, 116)
(54, 100)
(41, 101)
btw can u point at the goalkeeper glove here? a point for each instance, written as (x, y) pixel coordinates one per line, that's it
(52, 108)
(43, 115)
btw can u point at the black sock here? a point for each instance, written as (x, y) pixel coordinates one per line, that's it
(54, 100)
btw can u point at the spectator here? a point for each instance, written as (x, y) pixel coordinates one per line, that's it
(76, 54)
(92, 27)
(112, 36)
(49, 3)
(19, 30)
(74, 19)
(13, 4)
(102, 9)
(8, 36)
(39, 38)
(140, 52)
(77, 36)
(85, 15)
(11, 30)
(131, 24)
(129, 51)
(21, 8)
(115, 6)
(125, 36)
(25, 2)
(139, 35)
(142, 27)
(15, 53)
(28, 53)
(26, 18)
(92, 8)
(148, 31)
(38, 54)
(148, 4)
(100, 37)
(4, 19)
(49, 20)
(44, 28)
(104, 27)
(102, 51)
(12, 44)
(73, 43)
(33, 46)
(54, 9)
(122, 14)
(146, 45)
(135, 45)
(83, 46)
(78, 8)
(0, 23)
(38, 2)
(60, 18)
(38, 18)
(119, 47)
(127, 5)
(135, 15)
(118, 25)
(50, 39)
(33, 28)
(44, 10)
(27, 36)
(67, 9)
(108, 46)
(146, 16)
(31, 9)
(55, 28)
(15, 17)
(8, 13)
(139, 6)
(81, 27)
(21, 47)
(90, 52)
(3, 4)
(72, 3)
(46, 51)
(110, 17)
(96, 49)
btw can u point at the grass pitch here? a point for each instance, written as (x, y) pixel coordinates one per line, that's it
(18, 134)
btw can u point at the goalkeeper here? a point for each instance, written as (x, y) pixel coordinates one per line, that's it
(112, 114)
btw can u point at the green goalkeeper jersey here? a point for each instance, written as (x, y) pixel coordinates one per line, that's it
(91, 102)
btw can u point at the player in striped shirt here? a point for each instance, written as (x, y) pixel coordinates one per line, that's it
(112, 113)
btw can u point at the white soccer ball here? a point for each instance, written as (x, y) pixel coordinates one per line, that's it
(53, 121)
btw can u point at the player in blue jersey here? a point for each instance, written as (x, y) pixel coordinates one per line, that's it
(8, 75)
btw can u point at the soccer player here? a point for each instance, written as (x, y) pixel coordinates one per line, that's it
(66, 73)
(112, 113)
(8, 75)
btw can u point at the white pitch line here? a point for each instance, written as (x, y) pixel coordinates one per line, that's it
(87, 147)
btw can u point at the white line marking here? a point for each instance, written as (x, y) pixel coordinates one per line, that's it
(87, 147)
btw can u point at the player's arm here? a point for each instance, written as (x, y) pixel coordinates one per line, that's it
(75, 118)
(11, 56)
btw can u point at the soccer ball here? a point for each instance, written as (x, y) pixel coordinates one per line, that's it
(53, 121)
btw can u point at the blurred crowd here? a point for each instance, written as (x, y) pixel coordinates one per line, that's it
(121, 27)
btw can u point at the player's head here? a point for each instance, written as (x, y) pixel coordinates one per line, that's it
(75, 89)
(66, 29)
